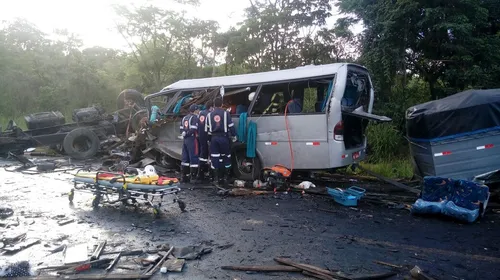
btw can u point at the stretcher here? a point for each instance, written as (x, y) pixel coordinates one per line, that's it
(111, 188)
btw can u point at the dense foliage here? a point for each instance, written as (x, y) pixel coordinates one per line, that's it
(416, 50)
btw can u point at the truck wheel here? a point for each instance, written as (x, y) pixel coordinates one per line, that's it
(81, 143)
(245, 168)
(130, 94)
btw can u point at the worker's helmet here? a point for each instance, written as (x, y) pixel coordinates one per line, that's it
(251, 96)
(193, 108)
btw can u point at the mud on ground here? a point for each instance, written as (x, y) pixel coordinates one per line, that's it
(250, 230)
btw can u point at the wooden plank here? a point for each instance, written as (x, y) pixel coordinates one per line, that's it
(309, 268)
(98, 251)
(390, 181)
(263, 268)
(388, 264)
(317, 276)
(160, 263)
(374, 276)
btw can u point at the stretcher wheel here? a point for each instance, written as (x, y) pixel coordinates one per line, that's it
(95, 201)
(71, 195)
(156, 212)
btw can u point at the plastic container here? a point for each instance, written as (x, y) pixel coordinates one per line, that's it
(44, 120)
(347, 197)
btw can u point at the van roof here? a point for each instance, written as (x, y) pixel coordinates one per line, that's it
(302, 72)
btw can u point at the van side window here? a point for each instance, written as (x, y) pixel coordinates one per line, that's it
(357, 90)
(302, 97)
(237, 100)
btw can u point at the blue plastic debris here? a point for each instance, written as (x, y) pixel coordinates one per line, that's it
(348, 197)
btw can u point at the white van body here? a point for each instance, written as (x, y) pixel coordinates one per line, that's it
(328, 136)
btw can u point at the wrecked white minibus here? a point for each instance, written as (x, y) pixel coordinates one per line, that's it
(324, 130)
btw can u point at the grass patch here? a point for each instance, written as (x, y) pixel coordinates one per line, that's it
(4, 121)
(396, 169)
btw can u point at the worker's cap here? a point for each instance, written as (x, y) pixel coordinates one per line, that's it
(193, 108)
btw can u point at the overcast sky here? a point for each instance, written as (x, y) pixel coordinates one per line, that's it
(93, 20)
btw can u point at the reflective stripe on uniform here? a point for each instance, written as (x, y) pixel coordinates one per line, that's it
(225, 122)
(194, 165)
(209, 122)
(203, 159)
(194, 127)
(231, 125)
(185, 164)
(229, 156)
(215, 155)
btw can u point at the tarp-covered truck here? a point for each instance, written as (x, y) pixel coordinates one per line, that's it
(456, 137)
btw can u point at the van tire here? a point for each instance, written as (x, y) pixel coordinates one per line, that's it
(81, 136)
(131, 94)
(239, 157)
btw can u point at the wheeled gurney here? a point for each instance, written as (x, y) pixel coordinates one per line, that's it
(111, 188)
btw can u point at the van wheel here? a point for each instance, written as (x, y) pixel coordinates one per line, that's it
(81, 143)
(244, 168)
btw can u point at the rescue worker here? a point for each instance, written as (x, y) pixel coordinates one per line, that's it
(203, 140)
(220, 128)
(190, 147)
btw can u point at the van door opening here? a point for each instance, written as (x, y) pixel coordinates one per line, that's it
(355, 103)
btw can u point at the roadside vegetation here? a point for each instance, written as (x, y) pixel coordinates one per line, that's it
(416, 51)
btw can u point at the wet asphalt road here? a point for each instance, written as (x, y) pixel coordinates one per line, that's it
(258, 228)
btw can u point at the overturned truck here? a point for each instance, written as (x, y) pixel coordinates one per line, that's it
(79, 139)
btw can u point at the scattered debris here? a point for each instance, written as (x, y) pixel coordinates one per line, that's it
(388, 264)
(65, 222)
(418, 274)
(21, 246)
(86, 266)
(98, 251)
(76, 254)
(57, 249)
(174, 265)
(6, 212)
(305, 185)
(245, 192)
(263, 268)
(114, 262)
(348, 197)
(387, 180)
(191, 252)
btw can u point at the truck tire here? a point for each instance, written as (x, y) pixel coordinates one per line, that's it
(81, 143)
(246, 169)
(130, 94)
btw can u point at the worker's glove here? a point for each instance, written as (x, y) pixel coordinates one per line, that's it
(234, 139)
(183, 134)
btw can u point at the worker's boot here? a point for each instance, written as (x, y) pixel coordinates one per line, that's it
(184, 174)
(194, 176)
(221, 180)
(201, 173)
(227, 177)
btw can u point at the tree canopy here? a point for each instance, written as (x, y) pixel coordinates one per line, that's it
(416, 50)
